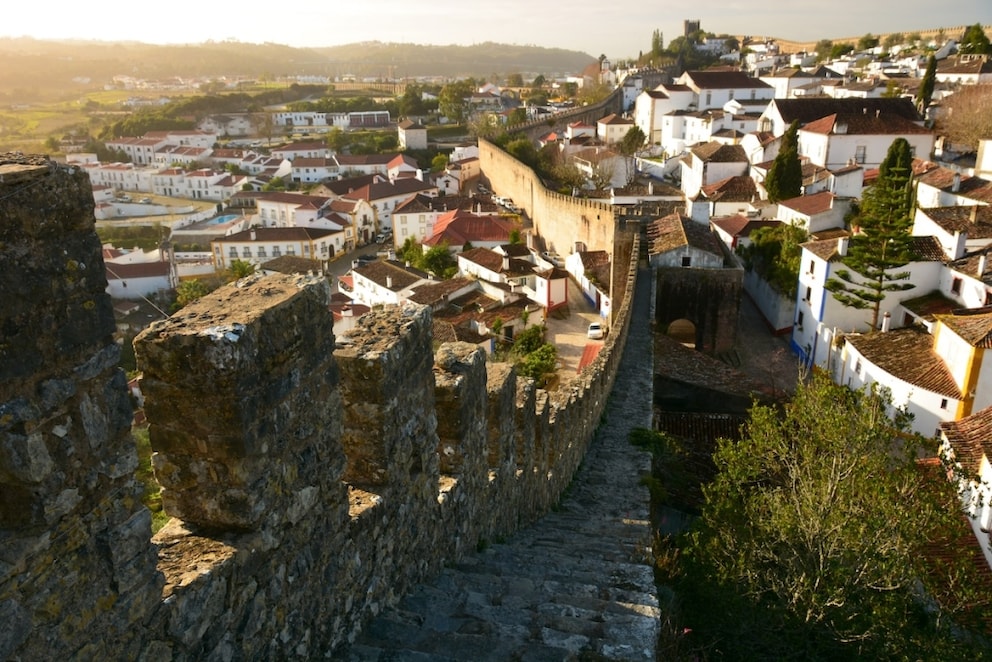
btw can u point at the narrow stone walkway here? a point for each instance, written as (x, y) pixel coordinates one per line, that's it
(578, 582)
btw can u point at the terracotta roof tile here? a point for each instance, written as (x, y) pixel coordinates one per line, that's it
(811, 205)
(973, 325)
(733, 189)
(974, 221)
(970, 439)
(675, 230)
(908, 355)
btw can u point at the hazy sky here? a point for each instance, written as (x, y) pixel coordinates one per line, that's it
(592, 26)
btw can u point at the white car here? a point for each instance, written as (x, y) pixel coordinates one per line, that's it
(596, 331)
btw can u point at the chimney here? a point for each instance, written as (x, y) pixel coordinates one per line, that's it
(253, 235)
(506, 263)
(982, 263)
(389, 282)
(886, 322)
(956, 183)
(973, 214)
(347, 311)
(842, 246)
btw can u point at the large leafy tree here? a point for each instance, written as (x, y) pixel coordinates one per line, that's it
(452, 99)
(925, 92)
(975, 41)
(631, 142)
(883, 244)
(815, 533)
(774, 253)
(966, 118)
(785, 176)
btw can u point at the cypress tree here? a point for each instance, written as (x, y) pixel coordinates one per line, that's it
(925, 93)
(785, 177)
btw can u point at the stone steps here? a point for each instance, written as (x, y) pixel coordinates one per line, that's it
(576, 582)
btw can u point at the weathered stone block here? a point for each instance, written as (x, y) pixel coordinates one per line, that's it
(240, 388)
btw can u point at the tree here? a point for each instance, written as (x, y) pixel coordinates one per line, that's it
(893, 40)
(515, 80)
(632, 141)
(774, 253)
(657, 43)
(538, 82)
(867, 42)
(785, 176)
(337, 139)
(240, 269)
(189, 291)
(966, 118)
(517, 116)
(452, 100)
(439, 261)
(840, 50)
(823, 48)
(815, 531)
(439, 163)
(884, 244)
(925, 92)
(975, 41)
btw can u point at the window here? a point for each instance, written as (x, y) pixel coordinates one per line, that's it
(809, 294)
(709, 98)
(859, 153)
(857, 366)
(276, 252)
(956, 286)
(246, 252)
(686, 260)
(943, 403)
(290, 250)
(306, 249)
(812, 266)
(261, 251)
(799, 320)
(233, 252)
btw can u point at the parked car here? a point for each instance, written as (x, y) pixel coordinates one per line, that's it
(553, 258)
(596, 331)
(146, 201)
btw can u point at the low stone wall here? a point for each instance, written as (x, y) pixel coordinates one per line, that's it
(313, 484)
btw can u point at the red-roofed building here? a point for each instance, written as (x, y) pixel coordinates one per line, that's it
(815, 213)
(458, 227)
(840, 139)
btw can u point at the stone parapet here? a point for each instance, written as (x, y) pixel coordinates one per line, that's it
(312, 480)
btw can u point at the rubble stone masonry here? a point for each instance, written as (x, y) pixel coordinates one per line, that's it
(311, 482)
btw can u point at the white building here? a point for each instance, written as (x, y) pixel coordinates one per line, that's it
(258, 245)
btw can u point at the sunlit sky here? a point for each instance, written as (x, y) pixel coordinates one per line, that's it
(592, 26)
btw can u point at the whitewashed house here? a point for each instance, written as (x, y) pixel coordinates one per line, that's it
(820, 317)
(678, 241)
(258, 245)
(814, 213)
(412, 135)
(710, 163)
(864, 139)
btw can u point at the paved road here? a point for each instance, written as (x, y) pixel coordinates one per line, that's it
(576, 582)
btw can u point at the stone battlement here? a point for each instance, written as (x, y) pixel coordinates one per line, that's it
(311, 482)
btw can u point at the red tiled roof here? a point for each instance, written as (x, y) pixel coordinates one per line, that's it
(742, 226)
(675, 230)
(973, 325)
(865, 124)
(908, 355)
(970, 439)
(125, 270)
(458, 227)
(810, 205)
(589, 354)
(740, 188)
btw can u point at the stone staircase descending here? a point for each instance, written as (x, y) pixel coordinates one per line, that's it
(577, 584)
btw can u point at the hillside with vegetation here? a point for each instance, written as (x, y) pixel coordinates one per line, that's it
(38, 70)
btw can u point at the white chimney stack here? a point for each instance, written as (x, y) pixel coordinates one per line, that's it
(886, 322)
(842, 243)
(982, 263)
(956, 183)
(389, 282)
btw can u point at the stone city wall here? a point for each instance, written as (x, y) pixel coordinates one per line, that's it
(312, 482)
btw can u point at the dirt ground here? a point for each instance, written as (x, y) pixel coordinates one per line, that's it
(567, 330)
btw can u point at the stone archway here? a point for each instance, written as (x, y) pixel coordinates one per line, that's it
(683, 331)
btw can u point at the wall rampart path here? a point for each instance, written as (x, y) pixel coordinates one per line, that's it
(313, 483)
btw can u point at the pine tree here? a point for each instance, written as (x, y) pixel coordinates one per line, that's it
(925, 93)
(785, 176)
(884, 243)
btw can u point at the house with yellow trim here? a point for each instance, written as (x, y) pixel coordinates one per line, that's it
(939, 376)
